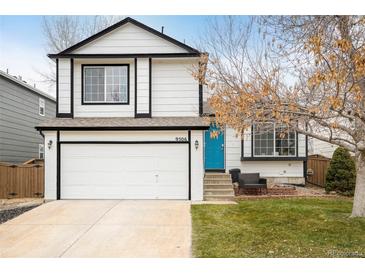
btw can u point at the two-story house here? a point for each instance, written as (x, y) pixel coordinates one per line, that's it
(130, 123)
(22, 107)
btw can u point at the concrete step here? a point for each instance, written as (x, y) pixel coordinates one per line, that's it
(217, 175)
(218, 186)
(218, 192)
(218, 197)
(217, 181)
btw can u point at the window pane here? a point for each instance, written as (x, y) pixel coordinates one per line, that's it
(116, 85)
(264, 142)
(285, 141)
(94, 84)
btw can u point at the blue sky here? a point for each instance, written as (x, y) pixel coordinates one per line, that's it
(22, 45)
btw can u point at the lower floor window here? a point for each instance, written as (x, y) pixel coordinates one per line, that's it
(41, 151)
(271, 139)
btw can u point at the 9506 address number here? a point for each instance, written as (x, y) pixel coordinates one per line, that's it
(181, 139)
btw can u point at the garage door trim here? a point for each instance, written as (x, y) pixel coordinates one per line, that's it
(59, 143)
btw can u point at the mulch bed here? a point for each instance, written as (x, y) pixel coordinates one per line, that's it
(8, 214)
(280, 191)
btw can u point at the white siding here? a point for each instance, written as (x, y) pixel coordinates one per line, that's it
(122, 135)
(316, 146)
(174, 90)
(129, 39)
(301, 145)
(265, 168)
(64, 86)
(103, 110)
(273, 168)
(247, 136)
(197, 165)
(143, 85)
(50, 165)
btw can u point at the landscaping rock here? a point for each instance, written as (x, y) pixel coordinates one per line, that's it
(8, 214)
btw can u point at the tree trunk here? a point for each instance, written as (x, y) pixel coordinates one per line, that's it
(358, 209)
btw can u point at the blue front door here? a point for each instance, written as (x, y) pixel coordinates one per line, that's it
(214, 149)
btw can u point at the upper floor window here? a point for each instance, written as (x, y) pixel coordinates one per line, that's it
(106, 84)
(42, 107)
(270, 139)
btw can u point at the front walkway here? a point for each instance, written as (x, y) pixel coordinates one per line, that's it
(100, 228)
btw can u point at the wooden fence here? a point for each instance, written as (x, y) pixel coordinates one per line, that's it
(21, 181)
(317, 166)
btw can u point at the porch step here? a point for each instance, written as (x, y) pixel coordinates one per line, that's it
(217, 181)
(218, 187)
(218, 192)
(217, 175)
(211, 197)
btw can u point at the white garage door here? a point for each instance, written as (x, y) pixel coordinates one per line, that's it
(124, 171)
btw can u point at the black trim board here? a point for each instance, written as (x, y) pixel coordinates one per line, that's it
(59, 143)
(296, 144)
(105, 65)
(57, 89)
(223, 170)
(273, 158)
(136, 23)
(189, 167)
(58, 176)
(126, 55)
(305, 166)
(72, 87)
(141, 128)
(142, 115)
(150, 85)
(64, 115)
(135, 87)
(200, 100)
(252, 151)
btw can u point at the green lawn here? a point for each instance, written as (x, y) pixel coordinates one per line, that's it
(298, 227)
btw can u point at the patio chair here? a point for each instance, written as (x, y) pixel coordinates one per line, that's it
(253, 181)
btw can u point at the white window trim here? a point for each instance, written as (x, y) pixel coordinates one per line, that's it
(41, 148)
(274, 156)
(104, 102)
(42, 104)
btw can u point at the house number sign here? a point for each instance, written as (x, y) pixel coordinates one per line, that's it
(181, 139)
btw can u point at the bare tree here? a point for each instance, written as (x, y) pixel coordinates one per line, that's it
(307, 72)
(61, 32)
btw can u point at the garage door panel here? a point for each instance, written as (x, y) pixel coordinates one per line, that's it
(124, 171)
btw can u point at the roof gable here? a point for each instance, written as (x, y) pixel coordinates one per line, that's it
(126, 37)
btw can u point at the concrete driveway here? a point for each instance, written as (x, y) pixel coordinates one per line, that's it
(100, 228)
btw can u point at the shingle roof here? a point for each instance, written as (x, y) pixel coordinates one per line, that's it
(130, 123)
(25, 85)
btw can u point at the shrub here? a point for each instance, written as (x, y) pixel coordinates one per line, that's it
(341, 174)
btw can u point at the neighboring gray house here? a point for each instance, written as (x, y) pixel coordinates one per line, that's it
(22, 107)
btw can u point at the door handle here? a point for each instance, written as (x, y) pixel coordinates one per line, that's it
(222, 146)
